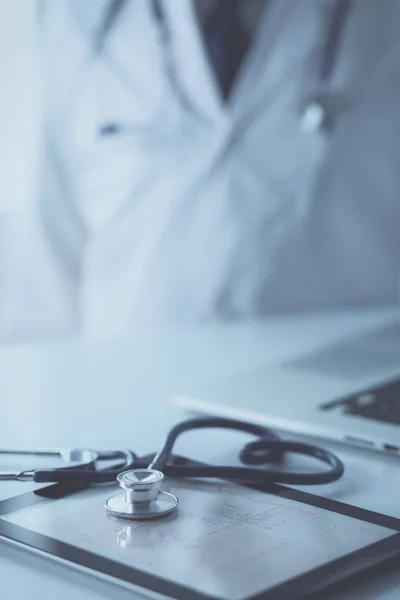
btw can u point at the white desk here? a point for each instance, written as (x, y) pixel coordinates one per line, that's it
(108, 394)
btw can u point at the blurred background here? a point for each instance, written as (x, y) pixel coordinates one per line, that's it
(196, 161)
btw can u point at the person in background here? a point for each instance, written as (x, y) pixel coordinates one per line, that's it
(207, 160)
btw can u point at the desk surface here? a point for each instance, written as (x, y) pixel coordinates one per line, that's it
(107, 394)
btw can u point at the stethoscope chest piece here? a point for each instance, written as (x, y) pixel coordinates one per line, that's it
(142, 497)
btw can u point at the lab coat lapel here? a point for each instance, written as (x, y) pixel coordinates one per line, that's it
(288, 31)
(193, 69)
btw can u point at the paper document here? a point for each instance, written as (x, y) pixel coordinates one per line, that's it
(226, 541)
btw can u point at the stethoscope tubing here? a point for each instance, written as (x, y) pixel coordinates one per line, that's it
(266, 449)
(325, 68)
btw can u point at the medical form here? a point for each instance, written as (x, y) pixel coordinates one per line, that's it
(226, 541)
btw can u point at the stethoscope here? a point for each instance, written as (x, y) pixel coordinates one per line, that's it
(321, 107)
(78, 463)
(142, 496)
(317, 111)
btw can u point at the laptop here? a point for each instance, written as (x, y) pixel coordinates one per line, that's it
(348, 392)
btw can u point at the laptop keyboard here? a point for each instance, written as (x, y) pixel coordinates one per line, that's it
(378, 404)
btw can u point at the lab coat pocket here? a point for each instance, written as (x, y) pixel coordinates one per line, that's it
(126, 88)
(117, 129)
(277, 166)
(123, 108)
(286, 156)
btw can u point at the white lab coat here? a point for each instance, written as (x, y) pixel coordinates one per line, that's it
(212, 212)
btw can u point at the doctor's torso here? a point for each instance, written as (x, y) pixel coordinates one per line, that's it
(162, 202)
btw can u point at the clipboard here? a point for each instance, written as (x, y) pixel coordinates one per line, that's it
(227, 541)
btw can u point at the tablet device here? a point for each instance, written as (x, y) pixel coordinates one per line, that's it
(226, 541)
